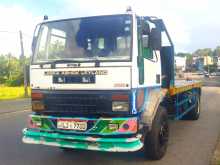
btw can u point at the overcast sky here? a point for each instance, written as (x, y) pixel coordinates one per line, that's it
(192, 24)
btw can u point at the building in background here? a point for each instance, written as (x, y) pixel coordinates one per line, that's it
(208, 60)
(218, 63)
(180, 63)
(203, 61)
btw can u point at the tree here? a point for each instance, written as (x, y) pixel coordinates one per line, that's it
(183, 54)
(216, 52)
(203, 52)
(189, 61)
(11, 72)
(3, 69)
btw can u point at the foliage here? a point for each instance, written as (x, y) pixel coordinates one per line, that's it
(208, 52)
(189, 63)
(183, 54)
(216, 52)
(203, 52)
(3, 69)
(11, 70)
(17, 81)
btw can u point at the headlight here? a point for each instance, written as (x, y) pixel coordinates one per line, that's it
(37, 106)
(121, 106)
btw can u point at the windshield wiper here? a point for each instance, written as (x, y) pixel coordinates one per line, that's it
(53, 63)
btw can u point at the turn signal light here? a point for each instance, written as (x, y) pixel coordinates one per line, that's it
(37, 96)
(37, 106)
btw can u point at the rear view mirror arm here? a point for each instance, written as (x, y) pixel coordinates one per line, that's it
(168, 36)
(159, 23)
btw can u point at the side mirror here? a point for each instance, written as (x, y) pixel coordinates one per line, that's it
(145, 41)
(155, 39)
(145, 28)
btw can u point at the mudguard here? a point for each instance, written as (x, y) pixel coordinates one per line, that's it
(152, 101)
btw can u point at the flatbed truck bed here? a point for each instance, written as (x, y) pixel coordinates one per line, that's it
(183, 85)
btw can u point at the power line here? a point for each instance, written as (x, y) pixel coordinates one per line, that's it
(14, 32)
(5, 31)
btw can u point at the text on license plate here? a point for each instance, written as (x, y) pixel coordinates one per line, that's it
(71, 125)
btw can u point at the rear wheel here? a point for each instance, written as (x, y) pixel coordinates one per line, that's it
(156, 141)
(195, 112)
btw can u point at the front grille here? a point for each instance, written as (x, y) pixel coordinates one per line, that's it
(78, 103)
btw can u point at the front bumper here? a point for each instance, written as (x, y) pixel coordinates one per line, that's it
(82, 142)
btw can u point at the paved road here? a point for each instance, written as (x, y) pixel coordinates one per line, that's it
(14, 105)
(191, 142)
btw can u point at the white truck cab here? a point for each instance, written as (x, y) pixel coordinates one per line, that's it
(105, 48)
(105, 83)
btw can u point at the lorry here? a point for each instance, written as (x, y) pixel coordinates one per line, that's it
(106, 83)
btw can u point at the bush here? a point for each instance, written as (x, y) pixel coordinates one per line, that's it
(13, 83)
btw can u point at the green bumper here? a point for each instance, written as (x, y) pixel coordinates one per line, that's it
(82, 142)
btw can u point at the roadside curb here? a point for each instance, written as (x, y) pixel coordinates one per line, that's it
(215, 160)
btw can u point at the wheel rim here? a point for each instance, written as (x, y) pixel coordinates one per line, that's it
(198, 108)
(164, 133)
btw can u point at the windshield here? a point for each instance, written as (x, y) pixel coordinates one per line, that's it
(105, 38)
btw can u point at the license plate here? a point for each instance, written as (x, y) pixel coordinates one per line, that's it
(71, 125)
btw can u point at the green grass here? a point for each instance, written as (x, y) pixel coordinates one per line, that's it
(8, 93)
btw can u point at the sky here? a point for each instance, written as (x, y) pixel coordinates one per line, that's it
(192, 24)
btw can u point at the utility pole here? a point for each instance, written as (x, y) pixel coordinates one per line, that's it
(23, 64)
(9, 68)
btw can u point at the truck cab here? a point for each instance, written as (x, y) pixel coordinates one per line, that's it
(102, 83)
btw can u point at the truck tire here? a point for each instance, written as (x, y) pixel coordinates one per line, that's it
(64, 149)
(156, 141)
(195, 112)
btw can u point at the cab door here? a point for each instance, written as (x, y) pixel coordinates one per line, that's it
(149, 64)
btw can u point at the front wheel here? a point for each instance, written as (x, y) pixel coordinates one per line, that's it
(64, 149)
(156, 141)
